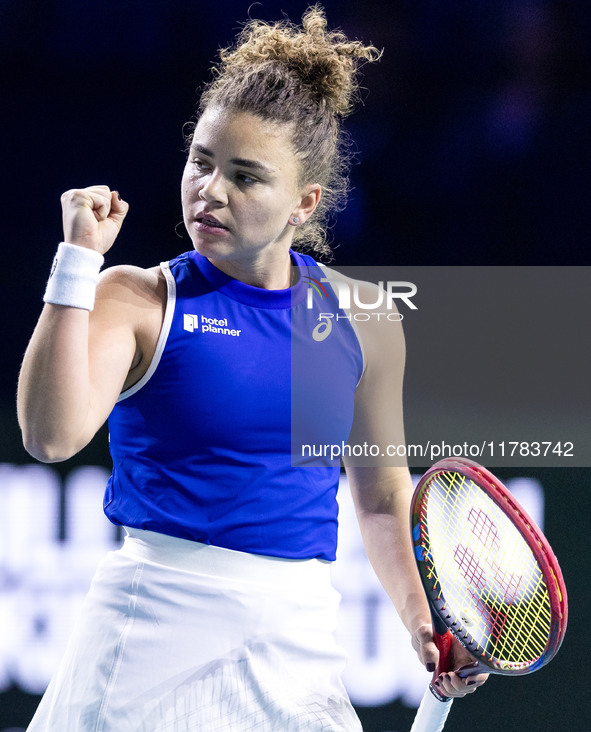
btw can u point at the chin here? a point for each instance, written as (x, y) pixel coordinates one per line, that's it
(213, 250)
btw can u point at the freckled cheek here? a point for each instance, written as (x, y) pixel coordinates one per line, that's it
(188, 198)
(271, 212)
(262, 219)
(189, 187)
(187, 180)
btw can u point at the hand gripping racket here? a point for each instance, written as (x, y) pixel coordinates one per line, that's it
(490, 576)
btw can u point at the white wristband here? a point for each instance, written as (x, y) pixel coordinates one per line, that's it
(74, 277)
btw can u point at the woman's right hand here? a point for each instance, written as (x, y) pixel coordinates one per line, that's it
(92, 217)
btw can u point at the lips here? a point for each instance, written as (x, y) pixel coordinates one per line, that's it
(209, 220)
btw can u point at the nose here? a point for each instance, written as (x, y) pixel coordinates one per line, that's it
(213, 189)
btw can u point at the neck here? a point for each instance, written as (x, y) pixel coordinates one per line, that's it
(268, 275)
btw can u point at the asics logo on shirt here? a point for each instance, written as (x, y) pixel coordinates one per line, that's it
(323, 329)
(192, 323)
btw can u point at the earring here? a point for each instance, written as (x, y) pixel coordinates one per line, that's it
(294, 221)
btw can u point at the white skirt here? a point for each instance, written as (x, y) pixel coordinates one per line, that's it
(177, 636)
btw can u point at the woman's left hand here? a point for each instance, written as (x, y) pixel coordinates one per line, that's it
(450, 683)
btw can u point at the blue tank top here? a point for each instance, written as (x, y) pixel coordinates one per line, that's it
(208, 444)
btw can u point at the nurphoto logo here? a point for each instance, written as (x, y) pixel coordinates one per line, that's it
(381, 304)
(346, 291)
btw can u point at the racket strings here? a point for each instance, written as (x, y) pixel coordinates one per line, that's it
(483, 528)
(496, 599)
(483, 571)
(487, 598)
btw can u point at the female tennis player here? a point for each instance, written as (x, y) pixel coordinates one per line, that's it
(217, 613)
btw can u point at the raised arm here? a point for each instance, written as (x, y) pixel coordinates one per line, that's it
(382, 493)
(78, 360)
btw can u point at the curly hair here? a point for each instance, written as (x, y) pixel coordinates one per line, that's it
(306, 77)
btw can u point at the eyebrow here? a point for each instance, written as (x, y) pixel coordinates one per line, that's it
(243, 162)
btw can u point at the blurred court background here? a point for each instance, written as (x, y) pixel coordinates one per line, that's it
(473, 147)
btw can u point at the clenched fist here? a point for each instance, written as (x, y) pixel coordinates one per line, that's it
(92, 217)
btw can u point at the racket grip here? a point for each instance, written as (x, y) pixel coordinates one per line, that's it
(443, 643)
(431, 714)
(442, 638)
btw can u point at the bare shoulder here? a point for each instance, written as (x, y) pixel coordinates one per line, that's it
(132, 285)
(129, 309)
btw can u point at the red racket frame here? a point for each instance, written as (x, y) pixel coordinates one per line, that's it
(535, 540)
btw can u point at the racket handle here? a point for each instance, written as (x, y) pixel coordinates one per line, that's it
(434, 707)
(431, 714)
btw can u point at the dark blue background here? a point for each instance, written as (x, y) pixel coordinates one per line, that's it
(473, 140)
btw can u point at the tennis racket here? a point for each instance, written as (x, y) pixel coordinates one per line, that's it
(490, 576)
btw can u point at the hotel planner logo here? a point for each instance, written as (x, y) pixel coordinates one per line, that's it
(192, 323)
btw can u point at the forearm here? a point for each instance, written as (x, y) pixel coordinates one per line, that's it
(54, 385)
(384, 521)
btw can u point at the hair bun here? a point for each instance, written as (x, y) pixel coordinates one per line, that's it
(324, 61)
